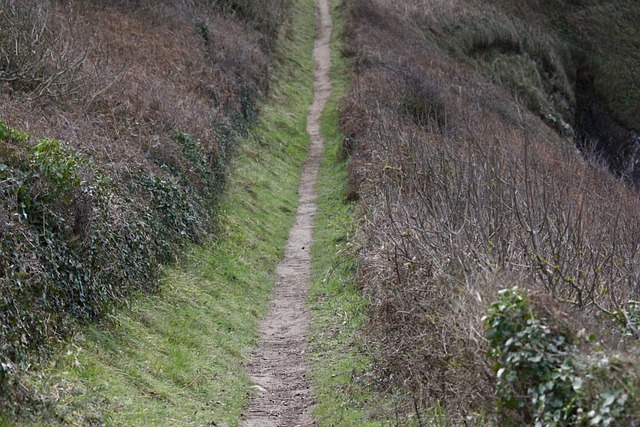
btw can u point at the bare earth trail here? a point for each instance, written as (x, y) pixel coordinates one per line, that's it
(278, 368)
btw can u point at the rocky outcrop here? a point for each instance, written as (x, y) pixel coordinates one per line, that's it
(598, 133)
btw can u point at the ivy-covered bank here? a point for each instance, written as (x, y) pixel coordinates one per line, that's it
(85, 225)
(76, 242)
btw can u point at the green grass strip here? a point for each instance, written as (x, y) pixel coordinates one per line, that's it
(178, 358)
(341, 375)
(346, 388)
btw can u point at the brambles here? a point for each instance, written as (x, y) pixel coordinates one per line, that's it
(459, 208)
(131, 128)
(37, 53)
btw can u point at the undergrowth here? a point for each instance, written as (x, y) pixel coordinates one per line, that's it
(113, 157)
(466, 189)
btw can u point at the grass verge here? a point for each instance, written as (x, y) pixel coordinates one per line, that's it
(341, 375)
(177, 358)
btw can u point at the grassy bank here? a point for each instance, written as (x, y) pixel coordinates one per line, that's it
(177, 358)
(113, 155)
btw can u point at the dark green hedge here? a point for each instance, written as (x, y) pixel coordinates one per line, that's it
(76, 243)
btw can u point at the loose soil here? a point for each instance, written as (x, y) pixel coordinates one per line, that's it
(282, 392)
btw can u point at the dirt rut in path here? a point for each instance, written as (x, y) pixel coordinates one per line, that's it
(282, 392)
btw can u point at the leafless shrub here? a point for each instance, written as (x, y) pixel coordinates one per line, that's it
(37, 50)
(266, 16)
(456, 209)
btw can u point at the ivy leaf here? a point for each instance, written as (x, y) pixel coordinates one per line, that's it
(577, 383)
(609, 399)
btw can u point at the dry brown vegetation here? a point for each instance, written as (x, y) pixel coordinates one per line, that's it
(466, 191)
(145, 71)
(118, 119)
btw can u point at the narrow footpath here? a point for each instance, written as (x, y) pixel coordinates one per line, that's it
(282, 391)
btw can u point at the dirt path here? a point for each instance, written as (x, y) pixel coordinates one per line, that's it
(278, 369)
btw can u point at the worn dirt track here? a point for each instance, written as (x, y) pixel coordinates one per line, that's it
(282, 393)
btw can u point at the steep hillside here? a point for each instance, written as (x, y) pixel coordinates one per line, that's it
(501, 263)
(118, 120)
(574, 64)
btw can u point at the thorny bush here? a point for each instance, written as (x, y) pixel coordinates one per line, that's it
(38, 54)
(129, 130)
(463, 192)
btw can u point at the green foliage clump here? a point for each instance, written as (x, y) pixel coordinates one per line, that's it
(534, 366)
(76, 243)
(61, 169)
(7, 133)
(544, 380)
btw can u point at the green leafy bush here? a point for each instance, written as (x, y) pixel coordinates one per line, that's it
(59, 167)
(544, 379)
(534, 366)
